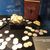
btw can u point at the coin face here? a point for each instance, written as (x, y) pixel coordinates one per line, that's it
(30, 43)
(25, 45)
(1, 23)
(41, 33)
(4, 43)
(1, 35)
(34, 34)
(27, 27)
(14, 47)
(2, 47)
(6, 31)
(11, 35)
(15, 41)
(1, 40)
(8, 39)
(25, 38)
(37, 31)
(36, 23)
(25, 32)
(8, 18)
(23, 19)
(19, 45)
(29, 34)
(41, 30)
(45, 31)
(32, 30)
(29, 22)
(4, 19)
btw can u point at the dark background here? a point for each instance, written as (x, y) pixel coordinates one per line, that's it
(45, 14)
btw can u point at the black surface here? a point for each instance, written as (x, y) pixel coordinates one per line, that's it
(18, 34)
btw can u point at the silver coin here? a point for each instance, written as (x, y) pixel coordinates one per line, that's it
(1, 40)
(14, 47)
(19, 45)
(15, 41)
(4, 43)
(6, 31)
(29, 34)
(2, 47)
(41, 33)
(29, 43)
(1, 35)
(8, 18)
(25, 32)
(25, 38)
(1, 23)
(8, 39)
(26, 45)
(11, 35)
(4, 19)
(29, 22)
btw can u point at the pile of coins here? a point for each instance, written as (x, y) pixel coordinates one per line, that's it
(4, 42)
(34, 32)
(16, 19)
(15, 41)
(27, 21)
(29, 32)
(16, 44)
(27, 44)
(25, 38)
(3, 22)
(36, 22)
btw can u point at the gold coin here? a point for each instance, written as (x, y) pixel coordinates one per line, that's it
(30, 43)
(45, 31)
(36, 22)
(41, 33)
(35, 35)
(25, 45)
(29, 34)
